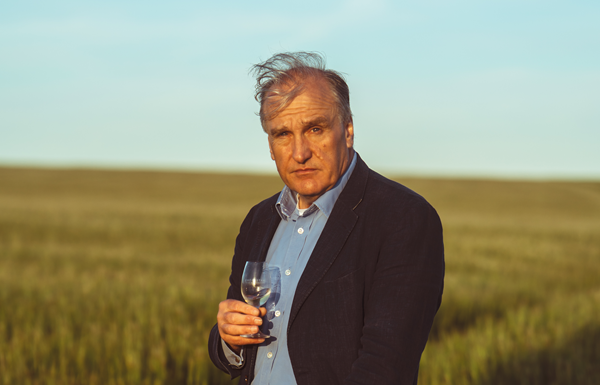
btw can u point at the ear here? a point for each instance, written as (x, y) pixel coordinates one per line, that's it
(349, 132)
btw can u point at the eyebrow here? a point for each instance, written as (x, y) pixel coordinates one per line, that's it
(317, 121)
(275, 131)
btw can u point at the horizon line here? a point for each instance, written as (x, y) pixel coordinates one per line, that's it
(233, 170)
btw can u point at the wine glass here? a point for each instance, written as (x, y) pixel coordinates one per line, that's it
(256, 288)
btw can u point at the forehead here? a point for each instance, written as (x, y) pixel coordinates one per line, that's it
(315, 98)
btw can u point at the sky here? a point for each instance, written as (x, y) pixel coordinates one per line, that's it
(438, 88)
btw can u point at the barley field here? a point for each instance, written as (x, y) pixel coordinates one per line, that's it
(113, 277)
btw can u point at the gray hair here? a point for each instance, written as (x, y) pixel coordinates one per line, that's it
(281, 78)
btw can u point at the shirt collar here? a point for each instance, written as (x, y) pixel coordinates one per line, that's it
(286, 202)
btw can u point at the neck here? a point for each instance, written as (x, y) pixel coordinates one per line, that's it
(304, 203)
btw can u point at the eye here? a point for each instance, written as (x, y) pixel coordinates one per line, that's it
(279, 134)
(316, 129)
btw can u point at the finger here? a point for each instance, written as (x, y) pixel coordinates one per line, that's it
(237, 330)
(263, 311)
(238, 306)
(237, 340)
(243, 307)
(241, 319)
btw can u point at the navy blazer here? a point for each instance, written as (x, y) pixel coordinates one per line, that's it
(366, 300)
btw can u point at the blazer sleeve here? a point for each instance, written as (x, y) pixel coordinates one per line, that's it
(405, 295)
(215, 348)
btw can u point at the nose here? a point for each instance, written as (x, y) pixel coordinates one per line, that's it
(301, 151)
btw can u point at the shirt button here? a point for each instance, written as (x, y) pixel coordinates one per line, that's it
(269, 355)
(300, 230)
(288, 272)
(277, 313)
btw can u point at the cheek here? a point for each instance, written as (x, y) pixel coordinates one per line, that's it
(281, 159)
(278, 151)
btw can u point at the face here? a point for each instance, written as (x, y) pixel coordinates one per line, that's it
(310, 146)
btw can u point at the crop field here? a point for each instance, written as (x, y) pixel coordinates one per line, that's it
(113, 277)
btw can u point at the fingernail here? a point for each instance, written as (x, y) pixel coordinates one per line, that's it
(258, 321)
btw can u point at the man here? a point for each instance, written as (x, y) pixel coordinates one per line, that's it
(360, 256)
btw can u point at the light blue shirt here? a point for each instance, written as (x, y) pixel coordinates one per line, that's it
(289, 252)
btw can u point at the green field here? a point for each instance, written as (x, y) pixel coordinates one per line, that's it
(113, 277)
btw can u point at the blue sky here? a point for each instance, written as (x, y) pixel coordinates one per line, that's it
(468, 88)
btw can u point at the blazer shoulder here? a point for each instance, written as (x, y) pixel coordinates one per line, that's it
(393, 194)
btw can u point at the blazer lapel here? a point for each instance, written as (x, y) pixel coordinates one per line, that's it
(334, 236)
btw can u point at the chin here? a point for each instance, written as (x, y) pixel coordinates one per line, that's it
(305, 189)
(310, 193)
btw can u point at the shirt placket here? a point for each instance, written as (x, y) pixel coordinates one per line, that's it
(289, 280)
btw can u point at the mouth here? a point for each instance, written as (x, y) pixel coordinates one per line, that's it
(304, 171)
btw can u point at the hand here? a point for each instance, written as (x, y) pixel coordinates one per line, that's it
(235, 318)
